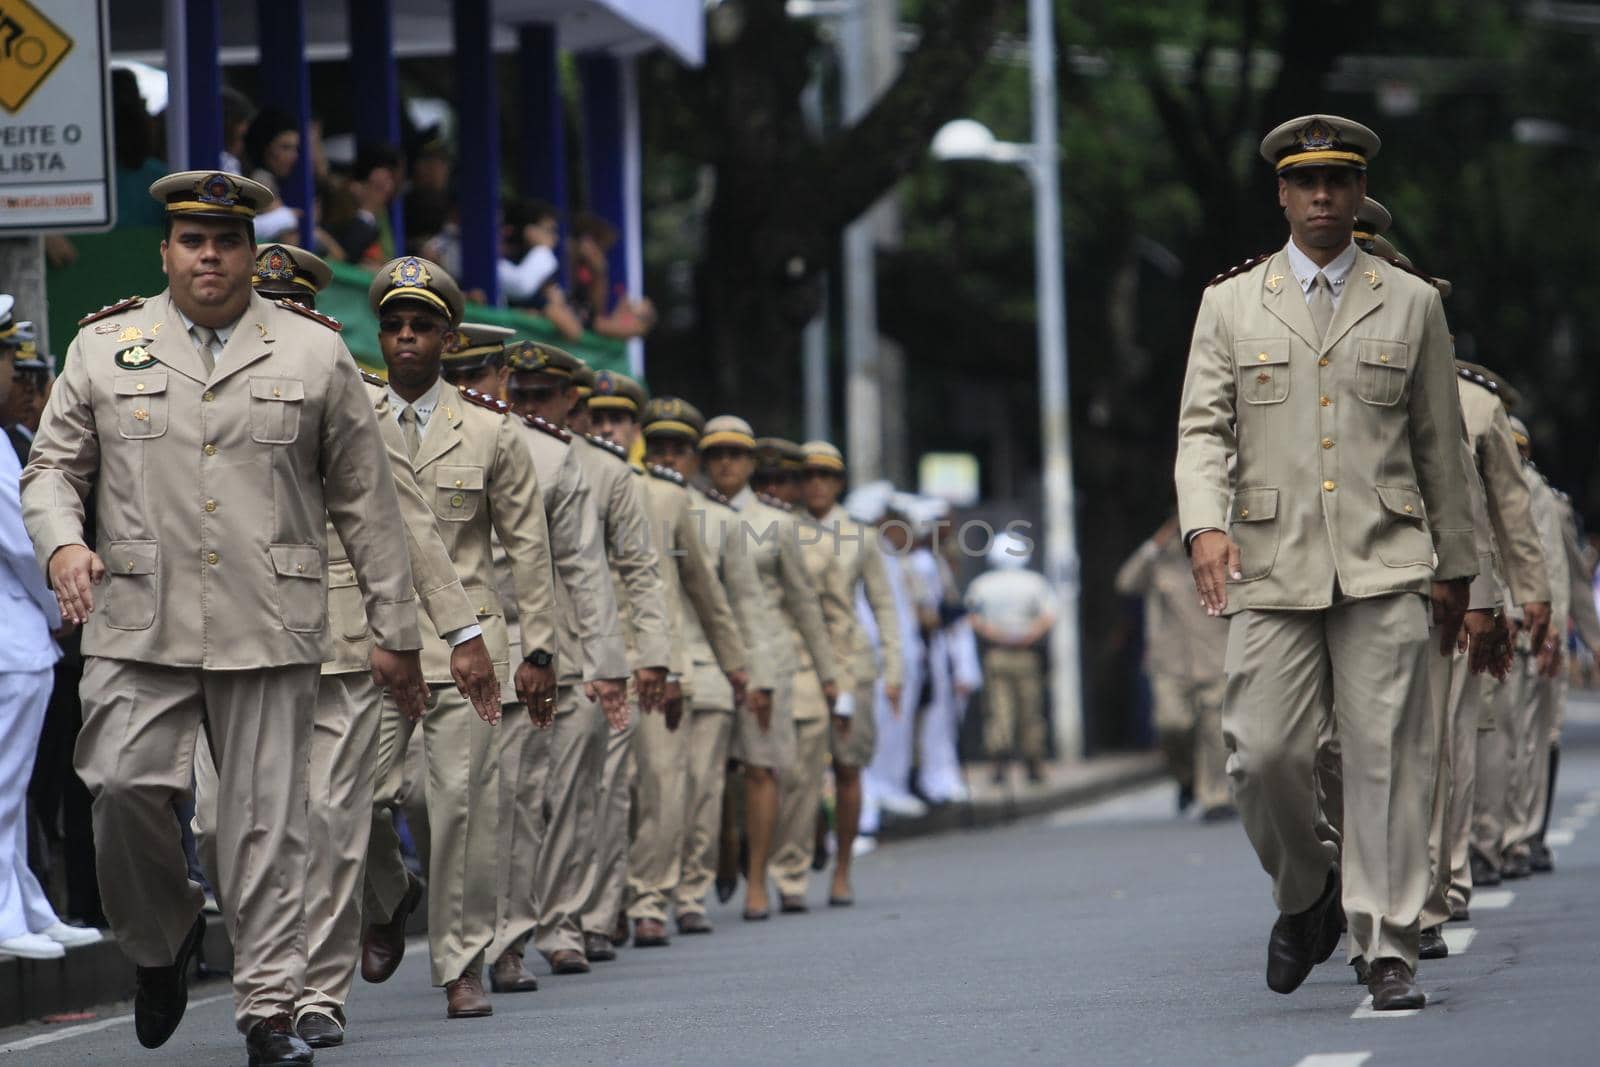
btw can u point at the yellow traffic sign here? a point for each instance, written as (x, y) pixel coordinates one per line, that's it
(31, 46)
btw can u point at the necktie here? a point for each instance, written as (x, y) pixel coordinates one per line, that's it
(1321, 304)
(206, 341)
(408, 430)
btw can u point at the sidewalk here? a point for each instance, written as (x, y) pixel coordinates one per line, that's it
(100, 974)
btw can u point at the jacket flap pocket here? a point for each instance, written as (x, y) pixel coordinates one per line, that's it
(297, 561)
(1255, 505)
(140, 384)
(341, 574)
(277, 389)
(1264, 351)
(1401, 502)
(460, 477)
(132, 557)
(1396, 354)
(484, 602)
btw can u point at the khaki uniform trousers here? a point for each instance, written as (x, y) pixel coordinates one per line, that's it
(519, 835)
(1368, 660)
(136, 753)
(344, 754)
(1013, 679)
(573, 752)
(1531, 771)
(660, 813)
(800, 788)
(710, 733)
(1189, 726)
(1451, 686)
(461, 787)
(613, 808)
(1495, 801)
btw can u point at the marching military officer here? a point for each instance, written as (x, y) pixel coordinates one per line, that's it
(562, 766)
(661, 803)
(218, 433)
(480, 479)
(672, 431)
(1322, 494)
(860, 558)
(771, 536)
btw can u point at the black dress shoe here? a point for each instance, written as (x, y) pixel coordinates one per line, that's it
(1516, 866)
(319, 1029)
(273, 1041)
(1540, 859)
(1460, 913)
(1299, 942)
(163, 992)
(597, 948)
(1363, 972)
(1431, 946)
(793, 905)
(726, 887)
(1392, 986)
(1484, 872)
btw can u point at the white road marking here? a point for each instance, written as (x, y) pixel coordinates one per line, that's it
(1588, 809)
(1573, 823)
(1366, 1012)
(1458, 938)
(1335, 1059)
(1493, 899)
(1558, 838)
(50, 1037)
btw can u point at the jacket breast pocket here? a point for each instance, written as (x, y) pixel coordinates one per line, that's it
(458, 492)
(1263, 367)
(1382, 371)
(1403, 539)
(133, 582)
(1253, 525)
(301, 604)
(275, 405)
(141, 404)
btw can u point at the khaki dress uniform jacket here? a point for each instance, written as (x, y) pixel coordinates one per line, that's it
(860, 553)
(1333, 461)
(213, 486)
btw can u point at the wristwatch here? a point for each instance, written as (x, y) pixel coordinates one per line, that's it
(539, 658)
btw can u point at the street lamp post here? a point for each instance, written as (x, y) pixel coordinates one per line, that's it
(968, 139)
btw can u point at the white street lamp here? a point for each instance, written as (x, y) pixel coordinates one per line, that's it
(969, 139)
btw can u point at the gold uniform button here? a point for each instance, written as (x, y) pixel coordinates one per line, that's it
(211, 505)
(211, 450)
(458, 483)
(299, 568)
(456, 501)
(1383, 358)
(211, 557)
(1328, 487)
(1262, 356)
(208, 396)
(1409, 509)
(139, 387)
(1326, 402)
(1244, 513)
(276, 391)
(1327, 442)
(130, 565)
(1323, 362)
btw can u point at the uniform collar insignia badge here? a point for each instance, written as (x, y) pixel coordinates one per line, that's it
(261, 330)
(131, 333)
(106, 328)
(135, 357)
(154, 330)
(1372, 277)
(1272, 282)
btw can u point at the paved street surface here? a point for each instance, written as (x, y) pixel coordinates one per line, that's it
(1108, 935)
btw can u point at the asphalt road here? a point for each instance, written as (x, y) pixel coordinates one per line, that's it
(1109, 935)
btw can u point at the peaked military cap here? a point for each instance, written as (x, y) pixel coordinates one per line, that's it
(415, 278)
(28, 357)
(822, 456)
(475, 345)
(536, 357)
(728, 431)
(288, 271)
(10, 328)
(584, 377)
(617, 392)
(778, 454)
(670, 416)
(1372, 220)
(1319, 141)
(211, 194)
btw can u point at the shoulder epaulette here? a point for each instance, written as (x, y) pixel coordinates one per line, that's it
(372, 379)
(1240, 269)
(112, 309)
(548, 427)
(607, 446)
(715, 497)
(315, 316)
(1467, 374)
(773, 502)
(1414, 272)
(484, 400)
(666, 474)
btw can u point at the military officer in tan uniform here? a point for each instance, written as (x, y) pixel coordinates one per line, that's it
(480, 479)
(564, 764)
(219, 433)
(698, 600)
(345, 731)
(672, 431)
(1322, 494)
(1183, 653)
(771, 535)
(475, 359)
(852, 729)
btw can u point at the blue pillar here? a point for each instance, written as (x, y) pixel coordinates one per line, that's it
(603, 134)
(478, 171)
(375, 81)
(544, 135)
(286, 84)
(202, 42)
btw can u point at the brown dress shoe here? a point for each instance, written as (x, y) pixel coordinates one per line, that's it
(1392, 986)
(597, 948)
(568, 961)
(465, 998)
(510, 975)
(650, 933)
(383, 945)
(692, 922)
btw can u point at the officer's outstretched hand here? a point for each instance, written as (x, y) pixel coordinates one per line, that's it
(1214, 559)
(612, 693)
(651, 685)
(536, 688)
(740, 681)
(401, 674)
(74, 572)
(1450, 602)
(475, 677)
(760, 703)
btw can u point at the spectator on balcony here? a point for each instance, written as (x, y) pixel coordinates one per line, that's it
(592, 240)
(271, 150)
(530, 276)
(365, 234)
(237, 114)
